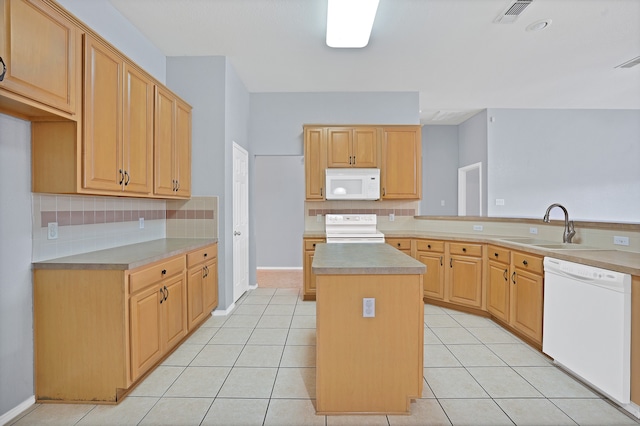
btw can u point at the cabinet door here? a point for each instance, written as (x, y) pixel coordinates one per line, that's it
(182, 161)
(102, 141)
(526, 303)
(465, 281)
(498, 290)
(195, 300)
(38, 46)
(339, 141)
(138, 131)
(365, 147)
(309, 276)
(174, 314)
(146, 338)
(434, 277)
(315, 162)
(164, 182)
(210, 287)
(401, 163)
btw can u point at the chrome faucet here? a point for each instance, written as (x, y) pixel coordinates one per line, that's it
(569, 232)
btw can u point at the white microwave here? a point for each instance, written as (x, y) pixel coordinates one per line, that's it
(353, 184)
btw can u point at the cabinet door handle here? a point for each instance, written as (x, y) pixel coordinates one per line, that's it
(178, 185)
(4, 69)
(162, 297)
(126, 174)
(121, 177)
(321, 192)
(513, 277)
(166, 293)
(525, 263)
(506, 275)
(451, 263)
(440, 260)
(354, 160)
(384, 192)
(205, 272)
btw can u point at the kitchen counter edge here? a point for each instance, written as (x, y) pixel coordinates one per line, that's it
(127, 257)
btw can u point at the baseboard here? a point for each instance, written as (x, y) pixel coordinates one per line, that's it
(223, 312)
(253, 287)
(14, 412)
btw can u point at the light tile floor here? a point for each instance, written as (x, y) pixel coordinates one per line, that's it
(257, 367)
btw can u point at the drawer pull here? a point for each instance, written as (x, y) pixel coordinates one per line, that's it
(464, 249)
(164, 272)
(428, 246)
(314, 245)
(525, 263)
(398, 244)
(495, 254)
(205, 255)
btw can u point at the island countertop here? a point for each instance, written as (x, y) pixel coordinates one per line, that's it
(363, 259)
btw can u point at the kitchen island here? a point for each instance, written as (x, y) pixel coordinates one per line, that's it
(369, 353)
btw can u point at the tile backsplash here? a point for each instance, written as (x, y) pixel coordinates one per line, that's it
(88, 223)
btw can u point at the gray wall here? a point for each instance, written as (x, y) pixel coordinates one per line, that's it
(439, 171)
(586, 160)
(16, 307)
(472, 142)
(281, 214)
(276, 129)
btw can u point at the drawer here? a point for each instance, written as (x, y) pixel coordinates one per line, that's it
(153, 274)
(499, 254)
(399, 243)
(311, 244)
(200, 255)
(430, 245)
(466, 249)
(528, 262)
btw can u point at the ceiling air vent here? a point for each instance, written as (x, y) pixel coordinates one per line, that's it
(631, 63)
(511, 13)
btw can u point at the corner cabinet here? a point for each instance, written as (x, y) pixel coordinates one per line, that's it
(172, 145)
(40, 49)
(97, 332)
(401, 171)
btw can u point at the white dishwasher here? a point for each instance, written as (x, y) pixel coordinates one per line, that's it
(587, 324)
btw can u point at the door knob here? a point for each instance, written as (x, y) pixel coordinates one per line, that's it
(236, 233)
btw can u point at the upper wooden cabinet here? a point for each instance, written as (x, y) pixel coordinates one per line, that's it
(118, 122)
(352, 147)
(315, 161)
(395, 150)
(401, 171)
(172, 145)
(40, 49)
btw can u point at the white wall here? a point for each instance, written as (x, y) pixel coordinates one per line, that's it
(439, 171)
(587, 160)
(16, 307)
(106, 20)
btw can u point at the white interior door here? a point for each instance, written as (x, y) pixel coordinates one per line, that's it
(240, 221)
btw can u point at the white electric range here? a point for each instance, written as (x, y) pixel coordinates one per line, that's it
(352, 228)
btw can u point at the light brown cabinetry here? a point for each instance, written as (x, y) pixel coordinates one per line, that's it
(158, 312)
(97, 331)
(401, 171)
(352, 147)
(635, 339)
(464, 274)
(172, 144)
(498, 288)
(315, 162)
(118, 122)
(402, 244)
(527, 294)
(40, 49)
(309, 278)
(202, 284)
(431, 253)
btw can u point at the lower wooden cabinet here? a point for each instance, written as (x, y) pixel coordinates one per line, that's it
(464, 274)
(498, 288)
(98, 331)
(527, 291)
(431, 253)
(402, 244)
(309, 278)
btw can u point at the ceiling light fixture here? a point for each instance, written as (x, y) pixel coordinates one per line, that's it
(539, 25)
(349, 22)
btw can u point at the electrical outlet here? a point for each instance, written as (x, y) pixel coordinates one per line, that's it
(141, 222)
(442, 203)
(52, 231)
(621, 241)
(478, 227)
(368, 307)
(319, 218)
(392, 217)
(499, 201)
(533, 230)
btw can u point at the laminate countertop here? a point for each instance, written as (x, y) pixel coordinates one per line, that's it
(616, 260)
(363, 259)
(127, 257)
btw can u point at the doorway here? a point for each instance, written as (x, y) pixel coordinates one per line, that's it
(470, 190)
(240, 221)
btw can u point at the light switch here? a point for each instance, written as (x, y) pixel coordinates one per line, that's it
(368, 307)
